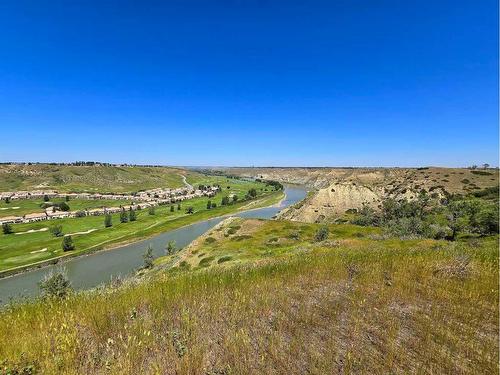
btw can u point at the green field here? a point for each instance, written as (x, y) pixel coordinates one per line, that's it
(280, 302)
(22, 249)
(28, 206)
(102, 179)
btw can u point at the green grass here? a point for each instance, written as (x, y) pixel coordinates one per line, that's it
(27, 206)
(91, 179)
(18, 250)
(350, 304)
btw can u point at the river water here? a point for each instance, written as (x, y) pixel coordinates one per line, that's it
(89, 271)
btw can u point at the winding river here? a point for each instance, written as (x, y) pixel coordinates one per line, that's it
(101, 267)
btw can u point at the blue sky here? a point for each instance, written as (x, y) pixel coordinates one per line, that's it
(290, 83)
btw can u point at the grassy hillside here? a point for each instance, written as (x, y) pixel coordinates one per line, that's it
(282, 303)
(101, 179)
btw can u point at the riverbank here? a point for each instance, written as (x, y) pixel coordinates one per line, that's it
(267, 200)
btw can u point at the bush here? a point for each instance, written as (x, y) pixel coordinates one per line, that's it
(108, 221)
(7, 228)
(148, 257)
(151, 210)
(132, 215)
(321, 234)
(67, 244)
(223, 259)
(56, 230)
(55, 285)
(123, 216)
(80, 214)
(63, 206)
(210, 240)
(170, 249)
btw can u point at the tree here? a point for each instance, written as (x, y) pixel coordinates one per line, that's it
(123, 216)
(67, 243)
(56, 230)
(148, 257)
(170, 249)
(55, 285)
(178, 207)
(46, 198)
(190, 210)
(7, 200)
(7, 228)
(321, 234)
(63, 206)
(172, 208)
(235, 198)
(252, 193)
(67, 198)
(486, 165)
(108, 221)
(132, 215)
(151, 210)
(214, 205)
(225, 201)
(209, 205)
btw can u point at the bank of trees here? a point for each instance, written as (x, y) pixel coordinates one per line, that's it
(433, 218)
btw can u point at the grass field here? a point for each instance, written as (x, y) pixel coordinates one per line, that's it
(283, 304)
(102, 179)
(27, 206)
(21, 248)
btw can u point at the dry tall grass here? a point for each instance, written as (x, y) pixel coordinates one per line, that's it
(367, 307)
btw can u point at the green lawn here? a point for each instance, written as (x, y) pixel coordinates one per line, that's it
(27, 206)
(22, 249)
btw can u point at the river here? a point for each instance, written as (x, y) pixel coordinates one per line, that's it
(101, 267)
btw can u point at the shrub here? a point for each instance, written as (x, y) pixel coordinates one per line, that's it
(67, 243)
(55, 284)
(170, 249)
(80, 214)
(148, 257)
(123, 216)
(223, 259)
(63, 206)
(132, 215)
(321, 234)
(151, 210)
(108, 221)
(205, 261)
(210, 240)
(7, 228)
(56, 230)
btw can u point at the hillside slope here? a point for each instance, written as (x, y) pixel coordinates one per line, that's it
(335, 190)
(97, 178)
(263, 297)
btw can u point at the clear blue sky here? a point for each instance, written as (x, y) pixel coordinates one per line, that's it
(249, 82)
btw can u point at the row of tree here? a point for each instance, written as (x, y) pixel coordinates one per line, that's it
(433, 218)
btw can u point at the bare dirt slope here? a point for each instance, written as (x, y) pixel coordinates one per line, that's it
(335, 190)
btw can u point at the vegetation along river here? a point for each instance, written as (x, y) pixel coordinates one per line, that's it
(101, 267)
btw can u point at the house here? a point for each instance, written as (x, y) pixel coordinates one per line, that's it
(11, 219)
(37, 216)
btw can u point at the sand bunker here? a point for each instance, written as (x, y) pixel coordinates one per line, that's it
(33, 231)
(38, 251)
(76, 233)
